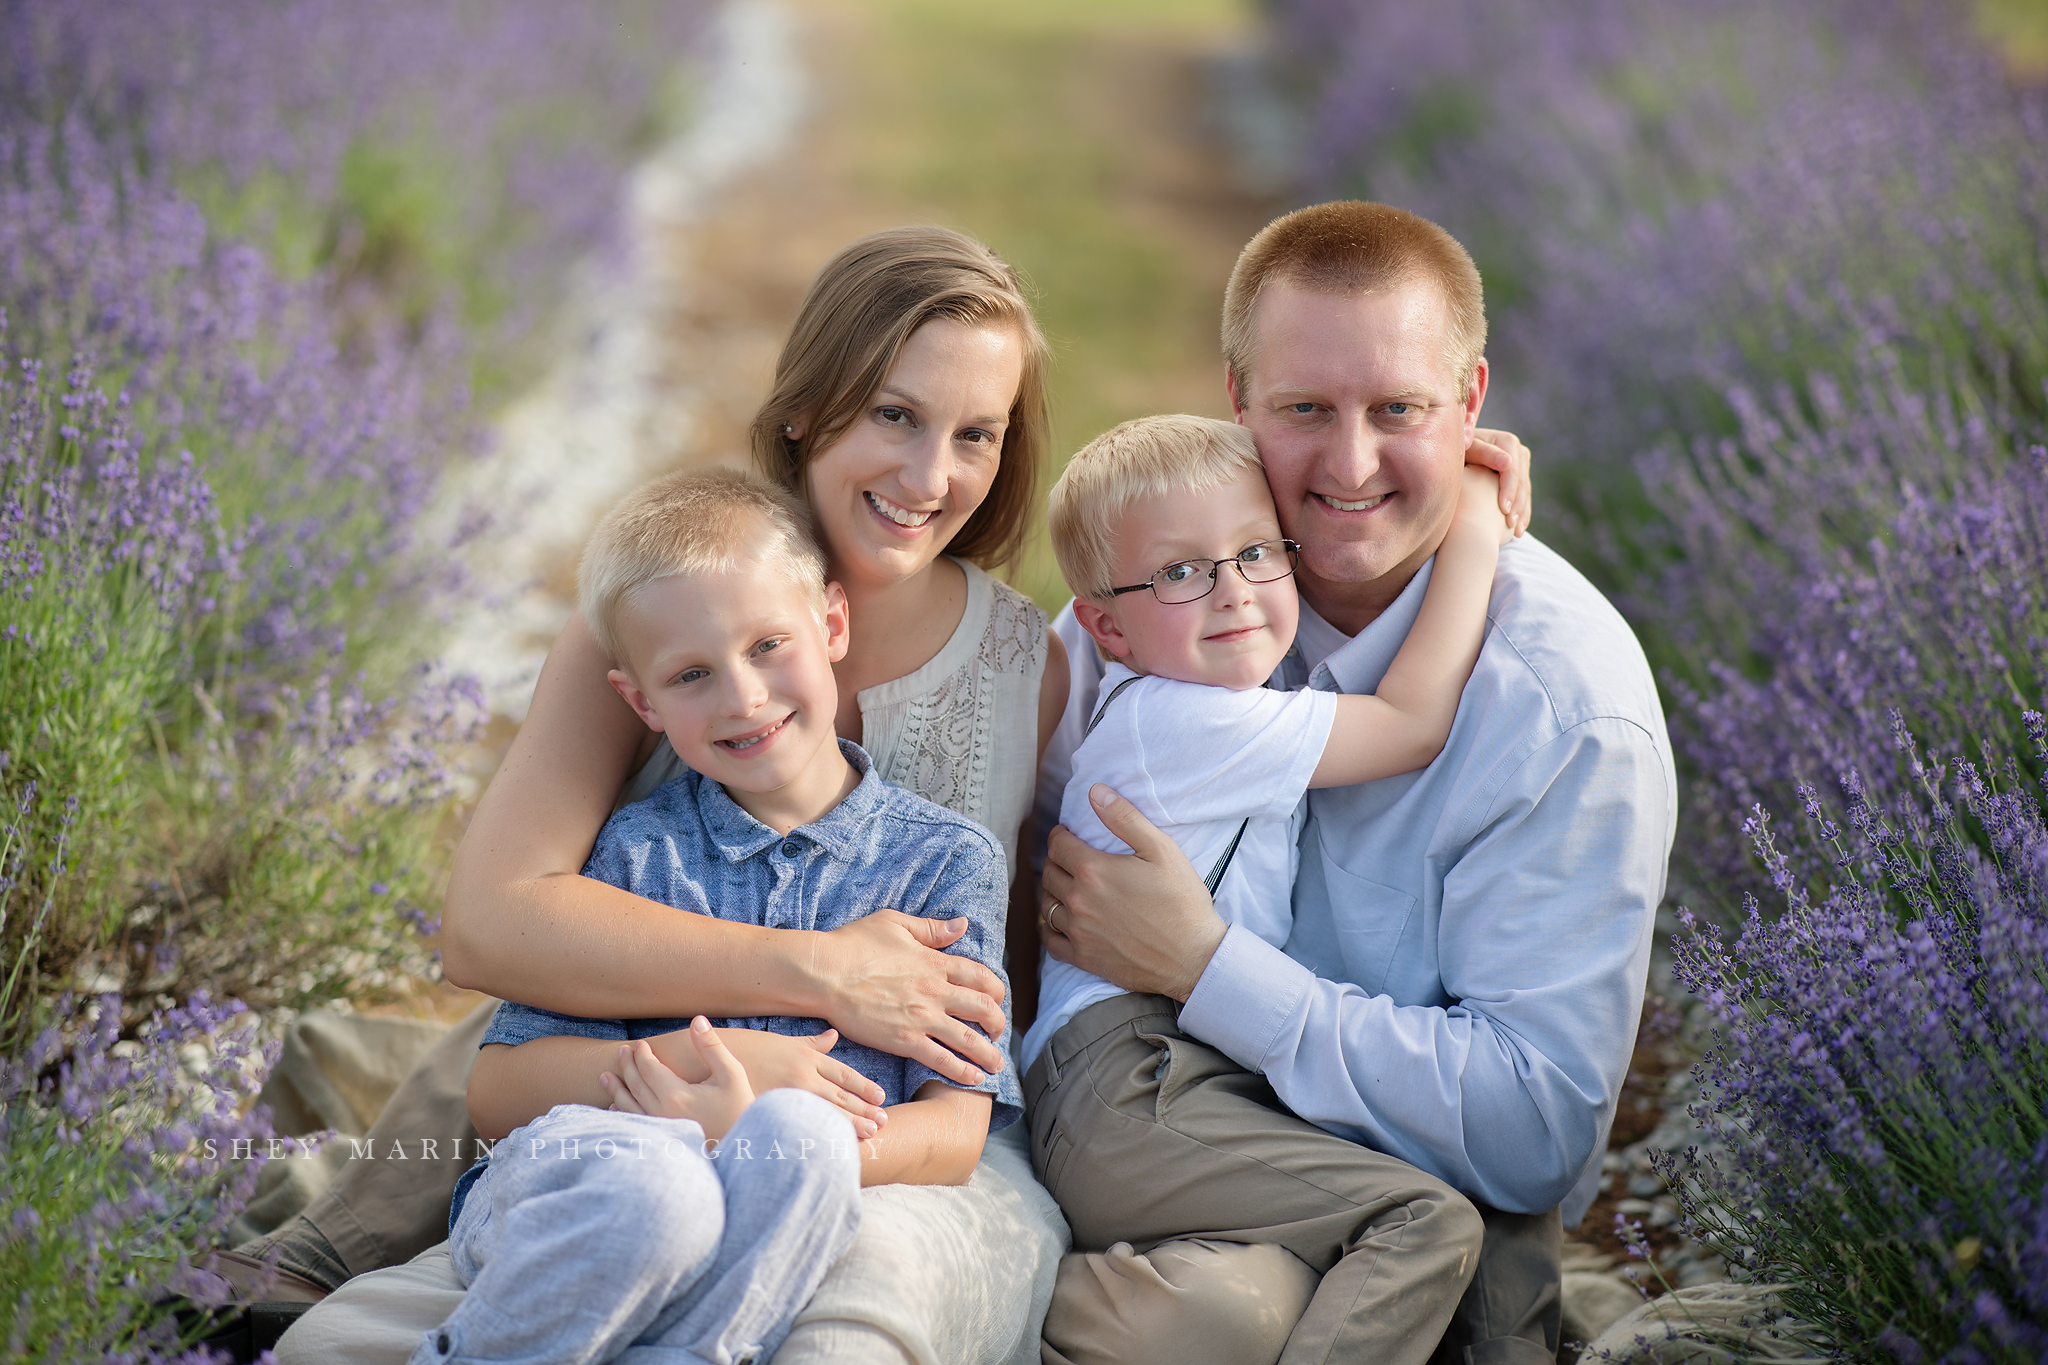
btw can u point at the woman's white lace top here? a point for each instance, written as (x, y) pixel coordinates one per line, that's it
(962, 730)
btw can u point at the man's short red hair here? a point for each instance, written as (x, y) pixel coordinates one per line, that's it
(1352, 247)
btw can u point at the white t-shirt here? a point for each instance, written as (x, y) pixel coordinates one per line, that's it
(1199, 762)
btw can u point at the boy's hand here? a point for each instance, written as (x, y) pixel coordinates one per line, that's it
(1505, 455)
(645, 1085)
(1479, 504)
(776, 1061)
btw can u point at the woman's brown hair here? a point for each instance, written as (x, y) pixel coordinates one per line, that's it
(863, 306)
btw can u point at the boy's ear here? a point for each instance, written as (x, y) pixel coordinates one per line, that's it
(838, 623)
(623, 684)
(1102, 628)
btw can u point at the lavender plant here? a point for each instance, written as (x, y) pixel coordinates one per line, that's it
(275, 249)
(121, 1163)
(1767, 294)
(1671, 200)
(1879, 1071)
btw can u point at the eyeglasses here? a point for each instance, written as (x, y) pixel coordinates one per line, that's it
(1190, 580)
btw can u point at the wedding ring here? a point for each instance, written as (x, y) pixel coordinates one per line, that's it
(1056, 905)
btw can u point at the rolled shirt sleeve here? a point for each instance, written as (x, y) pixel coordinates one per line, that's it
(975, 883)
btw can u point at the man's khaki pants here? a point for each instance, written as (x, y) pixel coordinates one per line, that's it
(1211, 1225)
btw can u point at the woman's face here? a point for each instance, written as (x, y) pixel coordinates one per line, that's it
(898, 485)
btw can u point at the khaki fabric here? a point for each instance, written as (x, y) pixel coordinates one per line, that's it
(1147, 1136)
(1187, 1300)
(341, 1072)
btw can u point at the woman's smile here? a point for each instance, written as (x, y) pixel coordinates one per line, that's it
(898, 515)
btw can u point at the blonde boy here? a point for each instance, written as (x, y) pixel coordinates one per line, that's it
(1166, 531)
(606, 1220)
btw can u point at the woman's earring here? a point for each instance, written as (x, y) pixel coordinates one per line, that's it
(789, 431)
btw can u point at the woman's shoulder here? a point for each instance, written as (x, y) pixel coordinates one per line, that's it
(1012, 638)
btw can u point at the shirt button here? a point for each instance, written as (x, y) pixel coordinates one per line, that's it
(791, 849)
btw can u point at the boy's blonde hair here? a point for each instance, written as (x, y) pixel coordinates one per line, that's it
(699, 522)
(1148, 457)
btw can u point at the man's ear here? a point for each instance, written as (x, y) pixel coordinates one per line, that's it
(1230, 387)
(1475, 398)
(1103, 629)
(838, 623)
(623, 684)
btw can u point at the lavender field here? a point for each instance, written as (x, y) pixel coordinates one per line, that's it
(266, 272)
(1769, 288)
(1769, 298)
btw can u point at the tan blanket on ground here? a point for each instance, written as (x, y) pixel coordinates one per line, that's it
(337, 1071)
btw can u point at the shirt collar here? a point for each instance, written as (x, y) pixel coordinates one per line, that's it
(1356, 665)
(740, 836)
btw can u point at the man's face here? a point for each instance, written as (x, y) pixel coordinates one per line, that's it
(1358, 422)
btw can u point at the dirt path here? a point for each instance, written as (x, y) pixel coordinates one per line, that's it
(1073, 138)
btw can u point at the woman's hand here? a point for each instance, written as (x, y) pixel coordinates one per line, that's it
(1142, 919)
(1504, 453)
(644, 1085)
(886, 984)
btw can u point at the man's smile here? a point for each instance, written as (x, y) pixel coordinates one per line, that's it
(1362, 505)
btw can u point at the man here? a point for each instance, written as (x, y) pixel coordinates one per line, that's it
(1470, 943)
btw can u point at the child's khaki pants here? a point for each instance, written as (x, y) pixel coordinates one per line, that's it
(1211, 1225)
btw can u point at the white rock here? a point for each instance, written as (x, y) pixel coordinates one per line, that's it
(1594, 1302)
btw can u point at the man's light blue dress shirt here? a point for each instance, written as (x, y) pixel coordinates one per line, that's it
(1470, 942)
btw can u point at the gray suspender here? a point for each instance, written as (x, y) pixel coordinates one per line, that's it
(1215, 877)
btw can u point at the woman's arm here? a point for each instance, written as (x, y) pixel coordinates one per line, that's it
(1021, 928)
(934, 1139)
(1403, 726)
(521, 923)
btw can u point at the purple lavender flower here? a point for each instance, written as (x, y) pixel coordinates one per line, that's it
(256, 261)
(1879, 1071)
(123, 1163)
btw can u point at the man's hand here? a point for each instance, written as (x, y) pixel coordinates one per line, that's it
(887, 985)
(1504, 453)
(1142, 920)
(645, 1085)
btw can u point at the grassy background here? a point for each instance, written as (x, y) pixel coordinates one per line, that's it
(1070, 135)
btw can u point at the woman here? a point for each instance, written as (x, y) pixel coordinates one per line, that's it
(909, 410)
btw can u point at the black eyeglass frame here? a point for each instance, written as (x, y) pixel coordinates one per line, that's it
(1291, 549)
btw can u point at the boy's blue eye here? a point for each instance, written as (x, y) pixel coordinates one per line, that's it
(1177, 573)
(1252, 554)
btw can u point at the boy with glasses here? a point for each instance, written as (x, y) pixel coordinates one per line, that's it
(1167, 532)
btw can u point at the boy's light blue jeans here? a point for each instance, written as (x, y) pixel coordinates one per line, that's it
(596, 1236)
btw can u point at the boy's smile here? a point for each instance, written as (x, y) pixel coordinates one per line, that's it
(1232, 637)
(736, 669)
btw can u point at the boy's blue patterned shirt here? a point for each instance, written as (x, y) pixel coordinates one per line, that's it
(690, 845)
